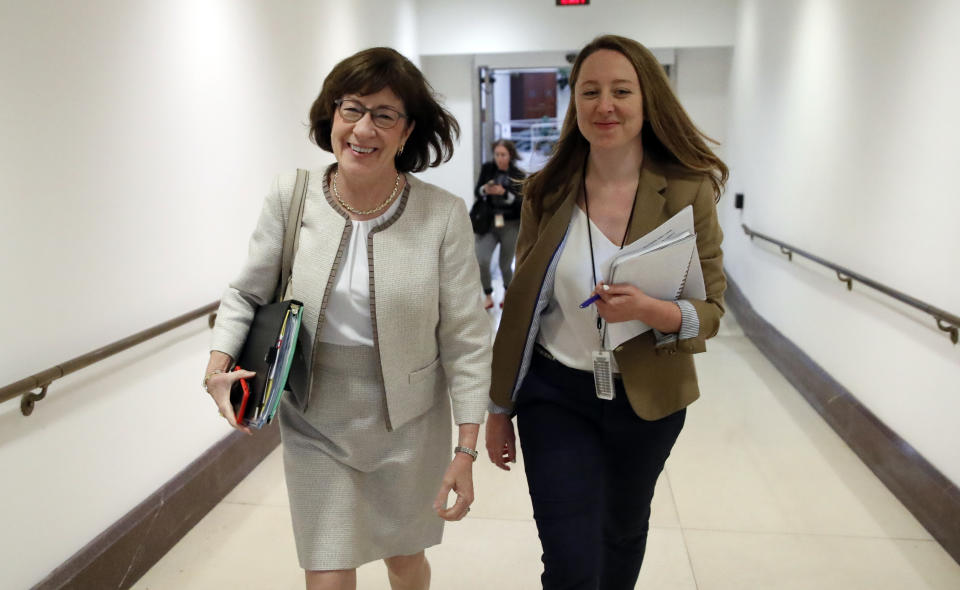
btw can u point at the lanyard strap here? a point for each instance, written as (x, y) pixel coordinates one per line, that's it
(593, 260)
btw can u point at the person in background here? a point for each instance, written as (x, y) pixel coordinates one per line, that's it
(628, 159)
(385, 269)
(500, 184)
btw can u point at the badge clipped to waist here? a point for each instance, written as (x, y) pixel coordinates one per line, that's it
(603, 374)
(498, 220)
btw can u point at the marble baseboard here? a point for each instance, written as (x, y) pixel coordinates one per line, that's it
(121, 554)
(932, 498)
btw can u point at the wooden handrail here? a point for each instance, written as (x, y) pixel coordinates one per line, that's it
(43, 379)
(947, 322)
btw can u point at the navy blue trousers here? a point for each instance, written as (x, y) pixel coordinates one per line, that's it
(591, 467)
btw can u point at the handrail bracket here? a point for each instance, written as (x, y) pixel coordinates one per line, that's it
(946, 327)
(845, 279)
(30, 399)
(786, 251)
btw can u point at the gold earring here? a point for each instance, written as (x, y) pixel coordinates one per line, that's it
(400, 151)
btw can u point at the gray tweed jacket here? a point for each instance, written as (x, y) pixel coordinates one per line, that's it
(430, 333)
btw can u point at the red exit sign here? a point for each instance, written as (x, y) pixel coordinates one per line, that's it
(572, 2)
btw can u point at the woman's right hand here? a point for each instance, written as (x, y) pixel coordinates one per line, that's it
(218, 386)
(501, 440)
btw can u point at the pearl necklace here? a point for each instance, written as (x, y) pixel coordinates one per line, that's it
(377, 209)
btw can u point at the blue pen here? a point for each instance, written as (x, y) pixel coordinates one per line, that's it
(589, 301)
(593, 298)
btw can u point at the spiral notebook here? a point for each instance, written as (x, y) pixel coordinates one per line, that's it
(664, 264)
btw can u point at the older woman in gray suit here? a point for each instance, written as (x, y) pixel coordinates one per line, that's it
(386, 270)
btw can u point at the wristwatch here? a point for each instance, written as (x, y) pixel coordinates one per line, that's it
(467, 451)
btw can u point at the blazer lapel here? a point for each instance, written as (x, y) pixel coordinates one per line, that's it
(554, 231)
(521, 297)
(525, 288)
(648, 211)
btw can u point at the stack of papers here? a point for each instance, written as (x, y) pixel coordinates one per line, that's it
(664, 264)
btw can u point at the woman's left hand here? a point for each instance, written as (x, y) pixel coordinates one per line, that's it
(625, 302)
(458, 478)
(621, 303)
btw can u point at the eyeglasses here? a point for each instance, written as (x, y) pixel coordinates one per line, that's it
(383, 117)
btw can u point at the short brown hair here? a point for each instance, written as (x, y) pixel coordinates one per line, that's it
(667, 130)
(372, 70)
(509, 146)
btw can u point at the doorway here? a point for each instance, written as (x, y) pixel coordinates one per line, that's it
(526, 106)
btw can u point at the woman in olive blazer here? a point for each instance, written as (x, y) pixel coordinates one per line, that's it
(628, 159)
(658, 373)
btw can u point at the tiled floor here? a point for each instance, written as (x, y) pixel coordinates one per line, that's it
(759, 494)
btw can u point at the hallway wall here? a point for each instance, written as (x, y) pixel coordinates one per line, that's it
(499, 26)
(139, 139)
(843, 138)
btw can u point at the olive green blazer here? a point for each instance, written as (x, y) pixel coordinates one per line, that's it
(659, 380)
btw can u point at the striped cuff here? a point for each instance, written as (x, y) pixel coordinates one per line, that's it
(689, 324)
(495, 409)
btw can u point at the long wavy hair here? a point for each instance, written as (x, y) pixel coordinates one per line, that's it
(667, 133)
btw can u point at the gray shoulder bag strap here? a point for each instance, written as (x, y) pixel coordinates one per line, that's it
(291, 235)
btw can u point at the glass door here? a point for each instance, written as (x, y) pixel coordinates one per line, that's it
(525, 105)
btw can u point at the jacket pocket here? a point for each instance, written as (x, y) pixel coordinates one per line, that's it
(426, 372)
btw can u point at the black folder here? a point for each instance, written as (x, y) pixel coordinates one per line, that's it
(259, 354)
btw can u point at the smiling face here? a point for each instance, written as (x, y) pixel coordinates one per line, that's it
(501, 156)
(361, 147)
(608, 101)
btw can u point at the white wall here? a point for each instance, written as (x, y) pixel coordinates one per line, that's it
(138, 141)
(452, 77)
(702, 85)
(496, 26)
(843, 133)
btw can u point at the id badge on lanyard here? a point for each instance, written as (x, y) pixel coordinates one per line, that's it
(603, 374)
(602, 358)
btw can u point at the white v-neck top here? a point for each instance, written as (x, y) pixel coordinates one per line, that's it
(569, 333)
(347, 320)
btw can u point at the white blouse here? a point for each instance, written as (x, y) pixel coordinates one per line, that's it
(347, 317)
(569, 333)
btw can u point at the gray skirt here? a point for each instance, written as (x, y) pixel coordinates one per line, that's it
(357, 492)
